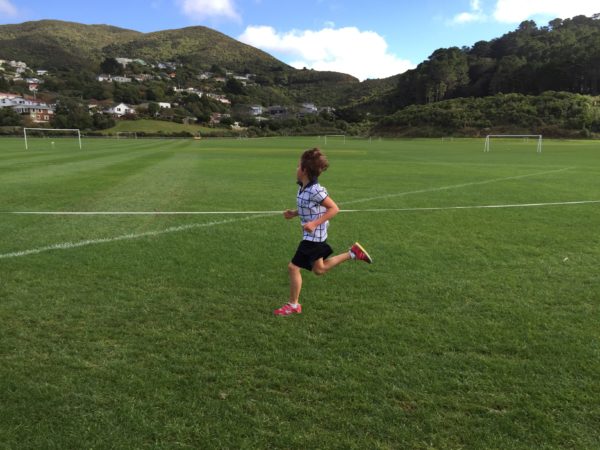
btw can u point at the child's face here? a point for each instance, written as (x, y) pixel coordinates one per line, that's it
(300, 174)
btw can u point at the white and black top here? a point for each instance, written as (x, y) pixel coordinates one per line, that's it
(309, 201)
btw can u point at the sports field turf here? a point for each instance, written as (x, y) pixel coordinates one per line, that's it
(474, 327)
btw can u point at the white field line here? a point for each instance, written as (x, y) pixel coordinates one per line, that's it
(350, 202)
(69, 245)
(454, 186)
(271, 213)
(448, 208)
(125, 237)
(253, 214)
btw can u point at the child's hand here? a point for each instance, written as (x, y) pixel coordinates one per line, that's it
(290, 213)
(309, 227)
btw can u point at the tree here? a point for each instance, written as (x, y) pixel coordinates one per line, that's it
(153, 109)
(9, 117)
(446, 72)
(111, 66)
(234, 87)
(4, 85)
(71, 114)
(102, 121)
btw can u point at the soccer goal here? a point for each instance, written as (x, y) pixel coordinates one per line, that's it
(523, 137)
(334, 136)
(45, 133)
(126, 135)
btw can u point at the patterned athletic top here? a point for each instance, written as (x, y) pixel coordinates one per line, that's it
(309, 201)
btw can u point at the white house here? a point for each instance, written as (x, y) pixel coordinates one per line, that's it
(255, 110)
(9, 102)
(219, 98)
(118, 79)
(120, 110)
(124, 61)
(164, 105)
(308, 108)
(110, 78)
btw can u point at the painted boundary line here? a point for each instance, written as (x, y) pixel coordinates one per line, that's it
(448, 208)
(69, 245)
(258, 214)
(455, 186)
(125, 237)
(350, 202)
(271, 213)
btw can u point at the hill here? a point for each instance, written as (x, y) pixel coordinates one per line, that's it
(198, 46)
(68, 48)
(562, 56)
(54, 44)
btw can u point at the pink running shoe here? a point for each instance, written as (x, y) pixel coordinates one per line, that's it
(360, 253)
(288, 310)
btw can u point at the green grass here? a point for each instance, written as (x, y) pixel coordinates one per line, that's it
(156, 126)
(474, 328)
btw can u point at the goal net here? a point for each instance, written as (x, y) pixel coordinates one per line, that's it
(334, 138)
(51, 137)
(515, 140)
(126, 135)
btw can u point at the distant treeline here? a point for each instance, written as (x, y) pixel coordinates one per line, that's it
(558, 114)
(563, 56)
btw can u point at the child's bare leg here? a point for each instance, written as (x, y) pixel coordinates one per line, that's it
(321, 266)
(295, 282)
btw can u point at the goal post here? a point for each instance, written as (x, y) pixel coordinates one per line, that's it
(341, 136)
(57, 130)
(486, 147)
(126, 135)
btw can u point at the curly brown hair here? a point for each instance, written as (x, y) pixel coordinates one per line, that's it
(313, 162)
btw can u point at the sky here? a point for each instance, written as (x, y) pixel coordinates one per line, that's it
(368, 38)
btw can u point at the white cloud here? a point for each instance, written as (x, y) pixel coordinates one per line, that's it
(467, 17)
(208, 9)
(514, 11)
(475, 15)
(363, 54)
(6, 7)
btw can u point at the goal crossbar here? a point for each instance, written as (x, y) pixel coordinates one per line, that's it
(51, 129)
(486, 147)
(334, 136)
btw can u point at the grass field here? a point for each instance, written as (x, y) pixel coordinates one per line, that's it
(154, 126)
(474, 328)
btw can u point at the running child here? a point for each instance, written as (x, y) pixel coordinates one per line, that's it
(315, 208)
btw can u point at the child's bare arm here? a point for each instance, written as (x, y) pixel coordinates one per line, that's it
(290, 213)
(331, 210)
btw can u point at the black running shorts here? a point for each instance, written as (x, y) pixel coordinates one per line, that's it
(308, 252)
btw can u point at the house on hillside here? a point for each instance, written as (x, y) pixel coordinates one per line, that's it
(215, 118)
(38, 112)
(5, 96)
(11, 100)
(255, 110)
(121, 110)
(118, 79)
(110, 78)
(307, 109)
(278, 111)
(124, 61)
(219, 98)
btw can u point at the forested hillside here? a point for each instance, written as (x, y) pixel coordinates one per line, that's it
(557, 114)
(562, 56)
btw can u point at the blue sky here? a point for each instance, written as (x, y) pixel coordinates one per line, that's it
(368, 39)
